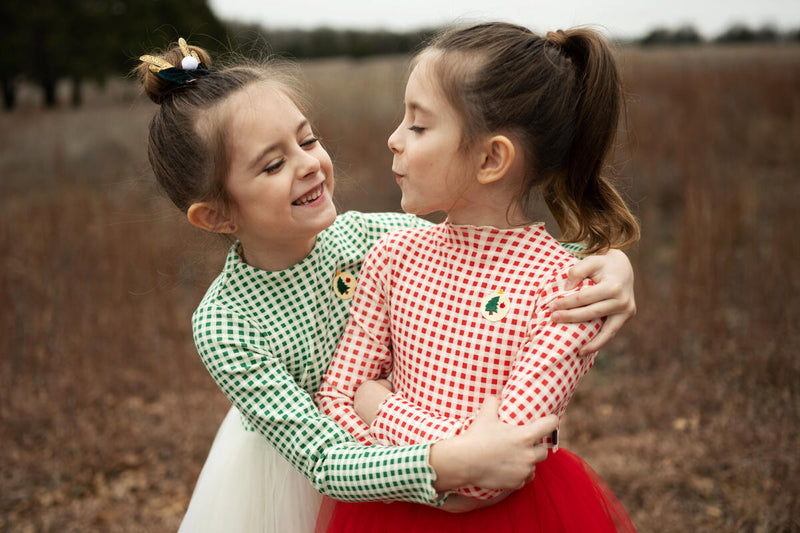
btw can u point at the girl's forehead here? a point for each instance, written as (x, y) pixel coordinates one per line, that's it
(423, 67)
(263, 97)
(258, 106)
(422, 82)
(424, 92)
(259, 117)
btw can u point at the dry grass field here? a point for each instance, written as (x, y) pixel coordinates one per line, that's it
(692, 414)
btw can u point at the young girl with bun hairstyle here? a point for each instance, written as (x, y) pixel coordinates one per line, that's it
(496, 118)
(234, 150)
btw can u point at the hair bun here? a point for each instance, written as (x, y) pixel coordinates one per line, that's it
(157, 88)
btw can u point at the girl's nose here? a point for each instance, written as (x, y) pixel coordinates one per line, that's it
(394, 141)
(309, 165)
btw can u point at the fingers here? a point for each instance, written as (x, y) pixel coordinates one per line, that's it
(604, 299)
(540, 428)
(606, 333)
(587, 296)
(603, 290)
(490, 407)
(376, 386)
(458, 504)
(487, 417)
(386, 384)
(500, 497)
(587, 268)
(586, 313)
(540, 453)
(368, 398)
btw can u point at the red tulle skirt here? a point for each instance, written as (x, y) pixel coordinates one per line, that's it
(565, 496)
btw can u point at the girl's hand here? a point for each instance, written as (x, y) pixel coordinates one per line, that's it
(457, 503)
(611, 296)
(369, 396)
(491, 453)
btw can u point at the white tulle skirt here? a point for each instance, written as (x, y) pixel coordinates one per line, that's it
(246, 486)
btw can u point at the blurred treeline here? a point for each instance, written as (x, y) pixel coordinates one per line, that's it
(46, 41)
(735, 34)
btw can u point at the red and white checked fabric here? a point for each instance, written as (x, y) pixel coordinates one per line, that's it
(417, 312)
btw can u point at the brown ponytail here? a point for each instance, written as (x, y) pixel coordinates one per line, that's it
(561, 97)
(585, 204)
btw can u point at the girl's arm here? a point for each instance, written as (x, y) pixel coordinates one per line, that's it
(491, 453)
(546, 371)
(495, 454)
(364, 351)
(262, 389)
(610, 297)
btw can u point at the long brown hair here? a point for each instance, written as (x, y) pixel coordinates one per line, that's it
(561, 96)
(187, 145)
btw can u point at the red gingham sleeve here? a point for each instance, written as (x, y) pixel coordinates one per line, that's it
(400, 421)
(547, 368)
(545, 374)
(364, 349)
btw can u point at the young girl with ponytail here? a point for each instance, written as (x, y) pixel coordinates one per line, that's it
(234, 150)
(496, 118)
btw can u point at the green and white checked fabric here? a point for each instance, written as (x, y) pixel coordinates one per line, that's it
(575, 248)
(267, 339)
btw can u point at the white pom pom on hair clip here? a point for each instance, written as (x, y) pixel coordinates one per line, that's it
(190, 59)
(189, 63)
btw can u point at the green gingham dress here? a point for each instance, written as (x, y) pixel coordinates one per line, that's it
(267, 338)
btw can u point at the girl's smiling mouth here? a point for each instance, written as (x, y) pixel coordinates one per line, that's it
(310, 196)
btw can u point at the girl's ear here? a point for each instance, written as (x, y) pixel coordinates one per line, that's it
(497, 159)
(207, 216)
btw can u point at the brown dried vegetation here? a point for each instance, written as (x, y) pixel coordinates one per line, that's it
(692, 415)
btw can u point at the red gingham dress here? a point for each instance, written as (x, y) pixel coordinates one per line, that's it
(458, 313)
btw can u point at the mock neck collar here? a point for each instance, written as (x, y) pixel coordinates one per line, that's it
(486, 237)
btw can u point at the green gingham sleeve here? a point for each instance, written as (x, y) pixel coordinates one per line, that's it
(260, 386)
(378, 224)
(577, 249)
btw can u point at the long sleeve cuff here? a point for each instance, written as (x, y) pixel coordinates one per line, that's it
(400, 422)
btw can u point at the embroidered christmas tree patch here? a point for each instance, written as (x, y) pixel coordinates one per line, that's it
(496, 306)
(344, 285)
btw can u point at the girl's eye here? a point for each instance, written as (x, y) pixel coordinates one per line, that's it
(273, 168)
(309, 142)
(417, 129)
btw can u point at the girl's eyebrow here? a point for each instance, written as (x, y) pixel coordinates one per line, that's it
(256, 160)
(416, 107)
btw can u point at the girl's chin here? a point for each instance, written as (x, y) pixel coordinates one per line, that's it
(413, 209)
(407, 206)
(328, 213)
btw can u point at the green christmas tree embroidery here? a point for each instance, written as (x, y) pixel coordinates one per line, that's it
(341, 286)
(491, 305)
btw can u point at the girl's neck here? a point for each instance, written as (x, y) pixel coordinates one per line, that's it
(501, 213)
(496, 220)
(495, 204)
(274, 257)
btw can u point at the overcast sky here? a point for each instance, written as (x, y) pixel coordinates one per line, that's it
(628, 18)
